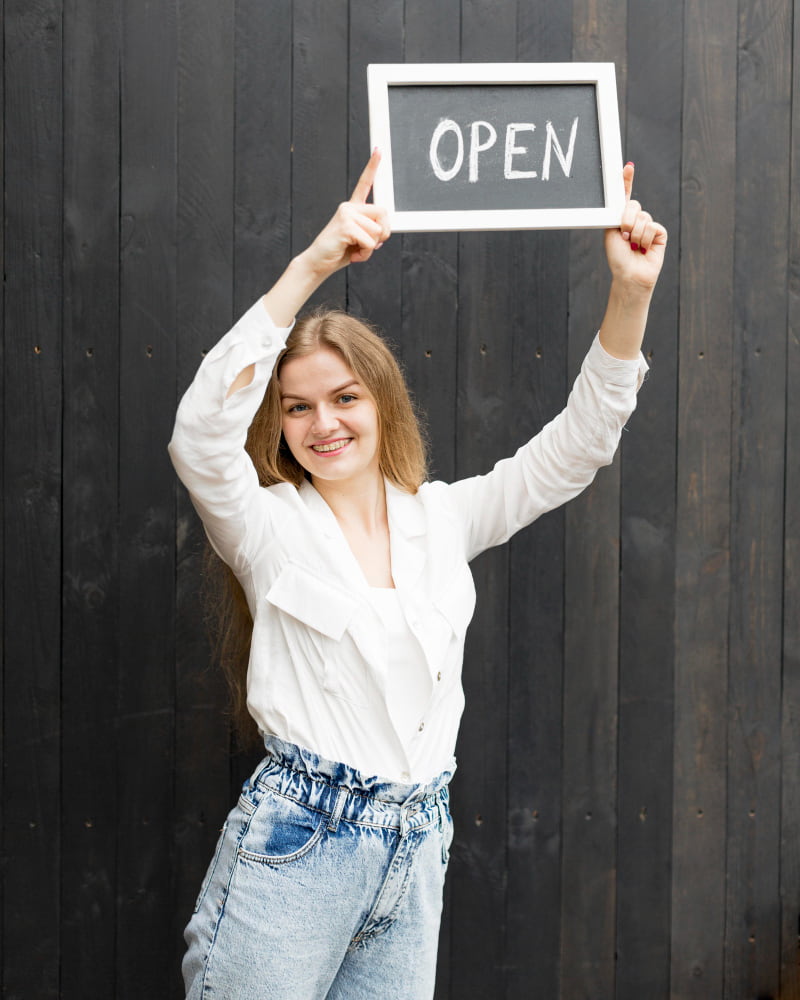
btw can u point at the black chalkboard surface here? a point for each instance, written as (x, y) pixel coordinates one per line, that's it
(497, 146)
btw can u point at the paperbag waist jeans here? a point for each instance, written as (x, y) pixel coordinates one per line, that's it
(325, 884)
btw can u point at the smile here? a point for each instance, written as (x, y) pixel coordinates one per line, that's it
(331, 446)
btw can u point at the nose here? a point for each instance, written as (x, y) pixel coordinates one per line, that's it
(325, 421)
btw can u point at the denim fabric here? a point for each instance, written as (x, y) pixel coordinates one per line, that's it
(325, 885)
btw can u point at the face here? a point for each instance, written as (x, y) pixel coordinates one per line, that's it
(329, 420)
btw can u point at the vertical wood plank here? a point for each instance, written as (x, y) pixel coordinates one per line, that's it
(702, 587)
(752, 945)
(263, 146)
(32, 431)
(375, 36)
(205, 223)
(483, 436)
(2, 489)
(648, 470)
(319, 126)
(591, 618)
(790, 708)
(147, 499)
(538, 390)
(429, 270)
(90, 636)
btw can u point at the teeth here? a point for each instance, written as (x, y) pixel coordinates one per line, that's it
(333, 446)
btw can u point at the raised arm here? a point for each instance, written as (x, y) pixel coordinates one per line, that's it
(635, 253)
(356, 230)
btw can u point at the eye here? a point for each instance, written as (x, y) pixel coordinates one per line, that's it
(347, 397)
(297, 408)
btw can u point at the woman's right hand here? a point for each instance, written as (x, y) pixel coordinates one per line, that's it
(354, 233)
(356, 230)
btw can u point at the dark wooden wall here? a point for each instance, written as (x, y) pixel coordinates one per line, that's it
(628, 797)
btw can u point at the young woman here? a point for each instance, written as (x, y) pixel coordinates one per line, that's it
(327, 878)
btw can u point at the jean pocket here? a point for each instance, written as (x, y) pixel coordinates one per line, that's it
(211, 868)
(281, 830)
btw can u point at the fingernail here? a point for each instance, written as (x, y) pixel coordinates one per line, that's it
(626, 236)
(643, 249)
(630, 163)
(634, 246)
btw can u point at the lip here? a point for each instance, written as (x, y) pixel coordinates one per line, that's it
(343, 444)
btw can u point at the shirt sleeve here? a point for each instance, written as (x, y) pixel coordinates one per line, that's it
(207, 446)
(559, 462)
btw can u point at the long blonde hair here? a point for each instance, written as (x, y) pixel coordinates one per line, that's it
(402, 459)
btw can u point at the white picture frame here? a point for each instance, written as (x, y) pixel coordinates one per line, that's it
(383, 76)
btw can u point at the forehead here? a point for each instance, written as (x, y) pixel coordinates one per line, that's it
(321, 371)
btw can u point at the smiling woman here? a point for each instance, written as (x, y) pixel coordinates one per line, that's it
(353, 573)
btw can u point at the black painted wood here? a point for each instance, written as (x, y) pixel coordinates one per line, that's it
(90, 587)
(752, 947)
(32, 433)
(703, 580)
(647, 556)
(790, 706)
(146, 507)
(626, 804)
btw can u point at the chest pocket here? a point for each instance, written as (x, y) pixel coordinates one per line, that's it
(325, 643)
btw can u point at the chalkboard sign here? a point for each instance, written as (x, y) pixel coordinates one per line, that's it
(497, 145)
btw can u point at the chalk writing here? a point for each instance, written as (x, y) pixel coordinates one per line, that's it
(483, 136)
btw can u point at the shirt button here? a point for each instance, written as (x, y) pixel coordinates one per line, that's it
(421, 726)
(405, 776)
(439, 676)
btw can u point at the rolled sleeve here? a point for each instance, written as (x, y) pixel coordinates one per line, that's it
(208, 441)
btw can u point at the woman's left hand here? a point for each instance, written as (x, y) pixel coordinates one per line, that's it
(635, 250)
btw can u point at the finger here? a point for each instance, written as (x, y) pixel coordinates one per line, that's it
(629, 216)
(627, 179)
(654, 235)
(641, 233)
(367, 179)
(363, 240)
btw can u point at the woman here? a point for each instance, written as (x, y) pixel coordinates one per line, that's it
(327, 878)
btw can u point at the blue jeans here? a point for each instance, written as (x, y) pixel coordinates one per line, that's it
(325, 885)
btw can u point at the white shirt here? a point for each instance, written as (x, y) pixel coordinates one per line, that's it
(319, 659)
(408, 681)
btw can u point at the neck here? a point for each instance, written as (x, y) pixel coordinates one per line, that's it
(361, 501)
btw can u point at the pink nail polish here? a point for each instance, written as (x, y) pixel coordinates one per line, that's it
(643, 249)
(634, 246)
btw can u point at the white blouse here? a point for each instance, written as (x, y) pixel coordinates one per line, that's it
(322, 673)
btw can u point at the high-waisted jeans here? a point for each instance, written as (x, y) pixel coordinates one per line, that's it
(325, 885)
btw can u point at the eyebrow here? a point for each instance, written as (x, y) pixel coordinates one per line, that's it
(333, 392)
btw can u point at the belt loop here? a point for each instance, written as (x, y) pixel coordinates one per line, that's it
(338, 809)
(442, 824)
(403, 820)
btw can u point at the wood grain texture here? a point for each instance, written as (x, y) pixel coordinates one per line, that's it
(647, 531)
(32, 433)
(147, 490)
(790, 706)
(319, 126)
(703, 581)
(752, 945)
(90, 592)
